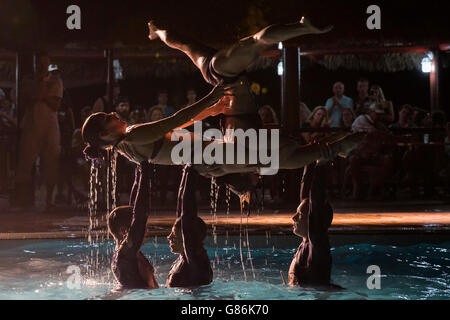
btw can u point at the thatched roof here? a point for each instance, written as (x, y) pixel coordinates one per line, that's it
(40, 24)
(217, 23)
(390, 62)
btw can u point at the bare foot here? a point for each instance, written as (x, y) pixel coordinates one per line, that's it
(245, 198)
(313, 29)
(152, 30)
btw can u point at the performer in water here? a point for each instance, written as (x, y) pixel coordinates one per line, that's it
(311, 265)
(192, 268)
(127, 225)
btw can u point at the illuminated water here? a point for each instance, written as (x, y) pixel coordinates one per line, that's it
(37, 270)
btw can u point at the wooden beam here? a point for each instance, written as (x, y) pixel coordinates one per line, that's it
(362, 50)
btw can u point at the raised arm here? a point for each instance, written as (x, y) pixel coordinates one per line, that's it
(320, 211)
(189, 211)
(153, 131)
(134, 188)
(141, 209)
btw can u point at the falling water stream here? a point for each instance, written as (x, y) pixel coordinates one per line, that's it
(96, 237)
(97, 194)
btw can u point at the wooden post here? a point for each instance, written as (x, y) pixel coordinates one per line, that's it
(290, 118)
(290, 91)
(434, 82)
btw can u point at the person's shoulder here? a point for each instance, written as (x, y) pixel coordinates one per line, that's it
(360, 118)
(347, 100)
(328, 103)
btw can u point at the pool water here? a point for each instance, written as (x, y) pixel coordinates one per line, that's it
(39, 270)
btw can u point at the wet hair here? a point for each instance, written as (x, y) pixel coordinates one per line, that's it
(200, 229)
(119, 219)
(90, 132)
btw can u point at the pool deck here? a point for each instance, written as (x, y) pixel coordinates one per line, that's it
(349, 218)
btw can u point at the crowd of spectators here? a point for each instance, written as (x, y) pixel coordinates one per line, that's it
(405, 153)
(395, 156)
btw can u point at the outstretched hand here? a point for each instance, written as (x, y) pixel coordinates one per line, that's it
(221, 90)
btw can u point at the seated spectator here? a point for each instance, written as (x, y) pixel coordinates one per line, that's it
(337, 103)
(102, 104)
(191, 96)
(422, 118)
(122, 108)
(304, 113)
(369, 122)
(347, 119)
(377, 97)
(156, 113)
(405, 116)
(137, 116)
(372, 154)
(362, 101)
(317, 119)
(339, 185)
(162, 104)
(268, 115)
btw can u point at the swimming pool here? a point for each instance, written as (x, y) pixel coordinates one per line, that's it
(32, 269)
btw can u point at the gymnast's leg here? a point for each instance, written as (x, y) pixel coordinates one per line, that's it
(199, 54)
(236, 59)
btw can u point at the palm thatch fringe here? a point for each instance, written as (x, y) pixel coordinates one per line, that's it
(390, 62)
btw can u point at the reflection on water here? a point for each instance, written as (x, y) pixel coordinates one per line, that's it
(37, 270)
